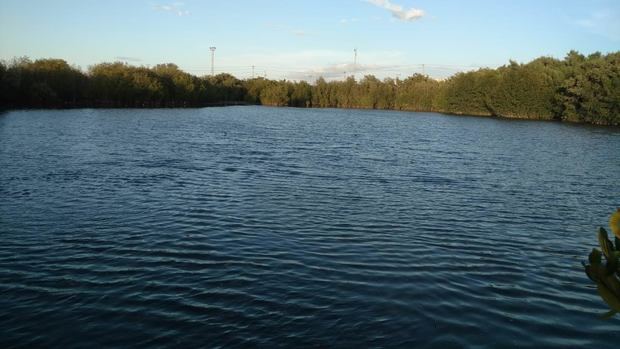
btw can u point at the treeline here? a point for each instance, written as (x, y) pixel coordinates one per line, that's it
(54, 83)
(578, 89)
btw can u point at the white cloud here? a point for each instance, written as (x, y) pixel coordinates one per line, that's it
(175, 7)
(398, 11)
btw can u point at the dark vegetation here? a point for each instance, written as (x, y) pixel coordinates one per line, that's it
(578, 89)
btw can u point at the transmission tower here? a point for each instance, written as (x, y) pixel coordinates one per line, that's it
(212, 48)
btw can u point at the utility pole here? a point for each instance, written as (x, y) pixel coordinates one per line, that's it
(212, 48)
(423, 70)
(252, 72)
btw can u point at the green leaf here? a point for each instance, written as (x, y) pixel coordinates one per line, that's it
(595, 257)
(605, 243)
(609, 297)
(612, 264)
(593, 272)
(613, 284)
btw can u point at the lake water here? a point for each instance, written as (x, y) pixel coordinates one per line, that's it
(265, 227)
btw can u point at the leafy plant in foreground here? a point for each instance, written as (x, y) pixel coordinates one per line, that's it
(606, 274)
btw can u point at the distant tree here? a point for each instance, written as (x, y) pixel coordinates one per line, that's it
(320, 94)
(275, 94)
(301, 95)
(224, 88)
(591, 91)
(4, 89)
(42, 83)
(472, 92)
(417, 93)
(370, 92)
(253, 88)
(578, 88)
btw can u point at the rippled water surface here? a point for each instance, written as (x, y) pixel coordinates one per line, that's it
(261, 227)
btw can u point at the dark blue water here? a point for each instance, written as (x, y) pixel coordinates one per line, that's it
(261, 227)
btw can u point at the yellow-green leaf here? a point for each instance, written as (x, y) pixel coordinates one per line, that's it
(613, 284)
(614, 223)
(605, 243)
(609, 297)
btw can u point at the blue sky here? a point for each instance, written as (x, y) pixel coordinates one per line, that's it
(298, 39)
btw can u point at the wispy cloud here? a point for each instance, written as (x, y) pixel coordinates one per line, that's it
(176, 7)
(348, 20)
(398, 11)
(603, 23)
(311, 64)
(339, 71)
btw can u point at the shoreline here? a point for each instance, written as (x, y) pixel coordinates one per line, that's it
(246, 104)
